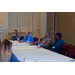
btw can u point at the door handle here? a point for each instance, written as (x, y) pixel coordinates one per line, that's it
(51, 31)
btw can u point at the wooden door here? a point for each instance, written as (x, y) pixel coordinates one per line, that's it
(22, 21)
(66, 26)
(50, 24)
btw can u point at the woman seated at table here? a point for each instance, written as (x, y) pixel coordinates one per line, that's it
(6, 54)
(56, 45)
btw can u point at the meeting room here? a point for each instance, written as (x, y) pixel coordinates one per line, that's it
(37, 36)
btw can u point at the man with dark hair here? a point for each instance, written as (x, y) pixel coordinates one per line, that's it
(56, 45)
(15, 36)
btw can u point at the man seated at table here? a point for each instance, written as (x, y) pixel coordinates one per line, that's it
(15, 36)
(56, 45)
(45, 42)
(27, 38)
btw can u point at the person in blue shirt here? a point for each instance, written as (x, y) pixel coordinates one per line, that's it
(56, 45)
(27, 38)
(13, 58)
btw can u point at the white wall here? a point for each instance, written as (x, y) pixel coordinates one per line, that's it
(43, 23)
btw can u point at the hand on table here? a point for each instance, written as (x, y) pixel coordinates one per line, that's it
(14, 35)
(31, 42)
(20, 41)
(39, 47)
(23, 61)
(37, 42)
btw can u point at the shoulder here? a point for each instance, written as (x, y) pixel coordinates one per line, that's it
(12, 54)
(30, 36)
(61, 40)
(13, 58)
(18, 34)
(49, 39)
(54, 40)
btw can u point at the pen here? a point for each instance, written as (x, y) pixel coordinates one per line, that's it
(24, 58)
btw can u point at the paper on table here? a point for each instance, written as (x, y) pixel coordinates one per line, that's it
(21, 59)
(38, 47)
(72, 60)
(52, 61)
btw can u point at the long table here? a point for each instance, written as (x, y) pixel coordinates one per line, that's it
(32, 53)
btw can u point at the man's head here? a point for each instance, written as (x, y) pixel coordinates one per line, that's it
(26, 34)
(58, 36)
(15, 32)
(47, 35)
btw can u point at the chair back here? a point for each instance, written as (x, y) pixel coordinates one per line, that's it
(69, 47)
(71, 53)
(21, 37)
(63, 48)
(35, 39)
(41, 39)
